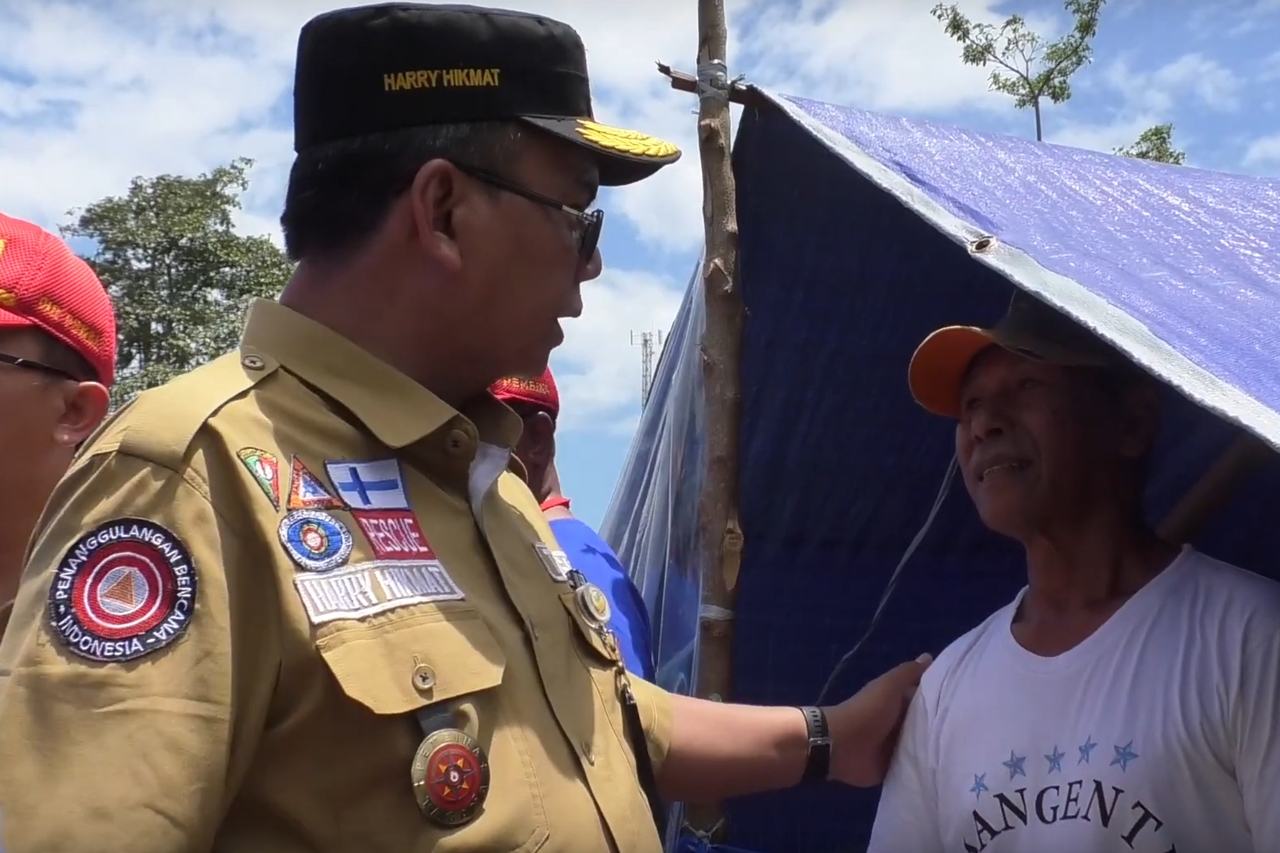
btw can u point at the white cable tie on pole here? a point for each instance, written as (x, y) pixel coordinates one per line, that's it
(712, 613)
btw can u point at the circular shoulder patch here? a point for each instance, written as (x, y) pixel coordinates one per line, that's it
(125, 589)
(315, 540)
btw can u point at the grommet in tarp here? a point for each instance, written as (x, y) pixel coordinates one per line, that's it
(982, 245)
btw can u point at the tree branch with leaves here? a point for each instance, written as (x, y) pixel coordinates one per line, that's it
(179, 275)
(1029, 69)
(1155, 144)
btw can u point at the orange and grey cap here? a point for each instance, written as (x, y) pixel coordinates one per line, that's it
(1030, 328)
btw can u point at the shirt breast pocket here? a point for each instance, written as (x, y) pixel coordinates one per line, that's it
(450, 664)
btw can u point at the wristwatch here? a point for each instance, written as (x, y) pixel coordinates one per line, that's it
(817, 766)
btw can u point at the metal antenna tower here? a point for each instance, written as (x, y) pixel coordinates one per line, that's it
(649, 343)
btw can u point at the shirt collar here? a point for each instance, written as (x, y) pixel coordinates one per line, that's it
(396, 409)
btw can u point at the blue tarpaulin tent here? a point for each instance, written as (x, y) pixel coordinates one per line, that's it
(861, 233)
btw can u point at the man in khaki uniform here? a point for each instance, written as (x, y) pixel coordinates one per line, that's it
(294, 600)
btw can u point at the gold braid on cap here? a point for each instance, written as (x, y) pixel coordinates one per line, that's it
(625, 141)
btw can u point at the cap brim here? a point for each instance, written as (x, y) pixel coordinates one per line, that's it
(10, 320)
(625, 156)
(939, 365)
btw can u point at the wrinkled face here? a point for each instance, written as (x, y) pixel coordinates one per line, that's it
(1040, 444)
(522, 262)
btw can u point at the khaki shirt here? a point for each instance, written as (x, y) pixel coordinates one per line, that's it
(249, 681)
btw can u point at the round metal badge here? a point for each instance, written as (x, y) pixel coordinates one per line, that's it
(450, 777)
(124, 589)
(315, 540)
(593, 604)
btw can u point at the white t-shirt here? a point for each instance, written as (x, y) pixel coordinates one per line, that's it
(1160, 733)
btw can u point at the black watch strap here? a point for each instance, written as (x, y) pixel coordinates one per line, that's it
(817, 766)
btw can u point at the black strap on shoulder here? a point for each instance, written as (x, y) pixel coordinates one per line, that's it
(644, 765)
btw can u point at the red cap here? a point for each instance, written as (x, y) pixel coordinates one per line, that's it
(540, 392)
(44, 285)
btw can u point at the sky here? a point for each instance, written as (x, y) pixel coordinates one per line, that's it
(95, 93)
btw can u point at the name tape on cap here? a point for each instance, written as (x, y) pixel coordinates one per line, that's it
(436, 78)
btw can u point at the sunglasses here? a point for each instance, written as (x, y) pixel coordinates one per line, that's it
(38, 367)
(589, 223)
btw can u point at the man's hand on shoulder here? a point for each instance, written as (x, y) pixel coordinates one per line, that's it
(864, 728)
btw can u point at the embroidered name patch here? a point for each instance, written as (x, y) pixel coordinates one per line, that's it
(315, 540)
(369, 485)
(367, 589)
(125, 589)
(555, 562)
(394, 534)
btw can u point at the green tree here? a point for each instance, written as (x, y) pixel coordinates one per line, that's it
(179, 275)
(1029, 68)
(1155, 143)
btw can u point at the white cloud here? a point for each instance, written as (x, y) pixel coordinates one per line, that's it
(1270, 66)
(1253, 16)
(1148, 98)
(886, 56)
(598, 367)
(1103, 136)
(1263, 152)
(1191, 74)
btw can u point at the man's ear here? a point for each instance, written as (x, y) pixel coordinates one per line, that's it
(437, 192)
(541, 431)
(84, 405)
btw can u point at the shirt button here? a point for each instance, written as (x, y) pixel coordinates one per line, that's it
(457, 442)
(424, 677)
(253, 362)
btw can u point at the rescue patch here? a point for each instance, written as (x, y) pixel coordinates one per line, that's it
(307, 492)
(369, 485)
(125, 589)
(265, 469)
(315, 540)
(366, 589)
(394, 534)
(555, 562)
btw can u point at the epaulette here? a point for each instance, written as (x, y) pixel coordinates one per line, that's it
(513, 489)
(159, 424)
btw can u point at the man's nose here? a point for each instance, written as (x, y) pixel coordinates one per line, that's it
(988, 422)
(592, 268)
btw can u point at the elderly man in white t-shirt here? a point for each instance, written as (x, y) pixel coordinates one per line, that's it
(1129, 698)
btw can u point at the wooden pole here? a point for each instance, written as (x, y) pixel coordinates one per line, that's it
(720, 536)
(1215, 487)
